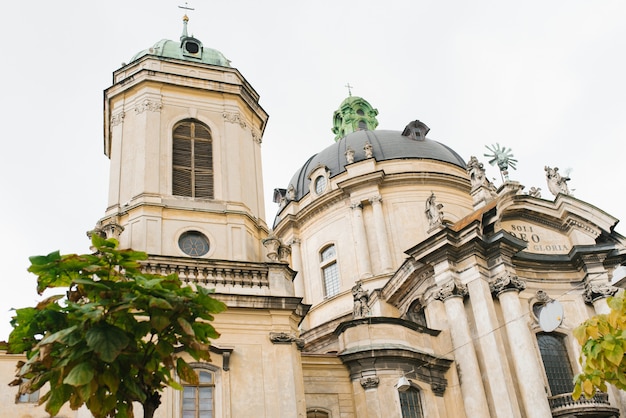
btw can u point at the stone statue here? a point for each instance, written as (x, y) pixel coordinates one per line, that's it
(361, 299)
(349, 155)
(476, 171)
(556, 183)
(433, 211)
(291, 193)
(369, 151)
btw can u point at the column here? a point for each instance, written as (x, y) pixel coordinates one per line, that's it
(472, 388)
(521, 343)
(381, 233)
(485, 320)
(360, 238)
(296, 265)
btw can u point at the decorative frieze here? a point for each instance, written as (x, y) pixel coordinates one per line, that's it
(117, 118)
(233, 117)
(505, 284)
(148, 106)
(450, 290)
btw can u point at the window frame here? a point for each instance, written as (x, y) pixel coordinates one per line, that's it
(417, 409)
(331, 282)
(566, 360)
(193, 168)
(212, 385)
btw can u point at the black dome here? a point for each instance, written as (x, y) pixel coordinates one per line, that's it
(386, 145)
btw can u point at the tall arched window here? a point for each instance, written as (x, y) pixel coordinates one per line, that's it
(198, 400)
(411, 404)
(330, 271)
(192, 160)
(556, 363)
(317, 413)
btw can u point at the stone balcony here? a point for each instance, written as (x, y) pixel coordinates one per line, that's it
(597, 407)
(227, 277)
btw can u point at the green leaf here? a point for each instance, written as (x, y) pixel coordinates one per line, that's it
(107, 341)
(159, 322)
(186, 326)
(81, 374)
(186, 372)
(160, 303)
(58, 336)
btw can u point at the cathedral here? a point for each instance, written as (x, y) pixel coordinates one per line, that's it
(394, 280)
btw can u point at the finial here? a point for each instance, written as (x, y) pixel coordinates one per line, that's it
(185, 17)
(349, 89)
(503, 157)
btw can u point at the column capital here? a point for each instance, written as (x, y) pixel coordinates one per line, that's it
(450, 290)
(595, 291)
(294, 241)
(506, 284)
(376, 199)
(370, 382)
(356, 205)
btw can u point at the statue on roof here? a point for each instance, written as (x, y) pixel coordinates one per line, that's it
(361, 300)
(433, 211)
(556, 183)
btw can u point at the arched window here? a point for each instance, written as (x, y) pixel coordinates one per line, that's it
(411, 404)
(317, 413)
(330, 271)
(198, 400)
(556, 363)
(192, 160)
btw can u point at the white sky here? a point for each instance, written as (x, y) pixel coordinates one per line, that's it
(545, 78)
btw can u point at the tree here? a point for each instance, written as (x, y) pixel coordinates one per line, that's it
(603, 341)
(113, 338)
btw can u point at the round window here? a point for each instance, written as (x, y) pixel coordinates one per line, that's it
(320, 184)
(193, 243)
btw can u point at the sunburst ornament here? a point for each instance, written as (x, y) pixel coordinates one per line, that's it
(503, 157)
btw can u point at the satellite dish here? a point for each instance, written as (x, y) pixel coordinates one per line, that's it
(551, 316)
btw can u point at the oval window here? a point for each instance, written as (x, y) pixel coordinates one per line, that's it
(320, 184)
(193, 243)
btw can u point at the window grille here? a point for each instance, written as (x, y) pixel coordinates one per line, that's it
(411, 404)
(330, 271)
(556, 363)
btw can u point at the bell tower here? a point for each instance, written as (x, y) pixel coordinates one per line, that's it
(183, 132)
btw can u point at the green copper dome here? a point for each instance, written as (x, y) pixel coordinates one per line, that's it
(187, 49)
(354, 114)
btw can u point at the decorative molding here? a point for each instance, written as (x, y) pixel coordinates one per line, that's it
(577, 224)
(450, 290)
(375, 199)
(235, 118)
(438, 388)
(370, 382)
(148, 105)
(294, 241)
(593, 292)
(506, 284)
(356, 206)
(256, 135)
(117, 119)
(286, 338)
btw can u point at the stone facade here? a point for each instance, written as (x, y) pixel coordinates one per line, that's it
(365, 278)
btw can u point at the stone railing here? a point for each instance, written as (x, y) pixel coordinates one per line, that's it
(598, 406)
(209, 273)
